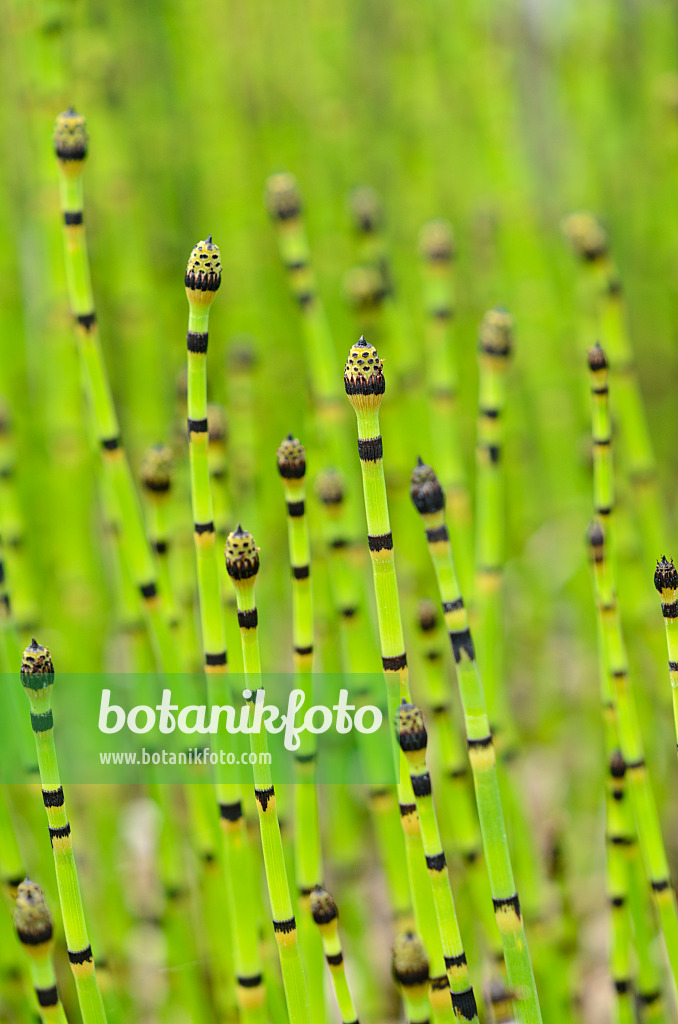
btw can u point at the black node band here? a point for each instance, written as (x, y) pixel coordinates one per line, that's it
(334, 959)
(670, 611)
(464, 1004)
(197, 426)
(53, 797)
(407, 809)
(62, 832)
(231, 812)
(286, 926)
(349, 612)
(109, 444)
(34, 938)
(647, 998)
(248, 980)
(72, 218)
(395, 663)
(622, 986)
(436, 862)
(203, 527)
(81, 956)
(437, 535)
(617, 901)
(338, 543)
(489, 413)
(216, 659)
(455, 961)
(301, 572)
(421, 785)
(42, 722)
(660, 886)
(161, 547)
(262, 796)
(47, 996)
(370, 449)
(295, 509)
(481, 744)
(304, 650)
(148, 590)
(248, 619)
(196, 341)
(511, 902)
(462, 645)
(87, 320)
(453, 606)
(380, 542)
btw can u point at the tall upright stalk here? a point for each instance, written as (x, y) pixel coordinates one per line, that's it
(37, 677)
(34, 927)
(365, 385)
(242, 564)
(202, 280)
(70, 146)
(429, 500)
(666, 583)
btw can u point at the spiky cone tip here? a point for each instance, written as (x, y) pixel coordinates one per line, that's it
(410, 728)
(156, 469)
(427, 615)
(597, 359)
(70, 140)
(666, 579)
(364, 380)
(495, 334)
(291, 458)
(322, 906)
(436, 241)
(282, 195)
(242, 555)
(426, 490)
(409, 962)
(37, 670)
(329, 487)
(366, 209)
(586, 235)
(203, 273)
(32, 919)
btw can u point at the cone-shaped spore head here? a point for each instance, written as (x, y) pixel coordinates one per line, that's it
(364, 376)
(436, 241)
(410, 728)
(427, 615)
(666, 577)
(36, 660)
(366, 209)
(217, 428)
(203, 272)
(70, 136)
(586, 235)
(283, 198)
(410, 962)
(495, 335)
(156, 468)
(291, 458)
(426, 490)
(242, 555)
(364, 288)
(597, 359)
(323, 907)
(32, 918)
(329, 487)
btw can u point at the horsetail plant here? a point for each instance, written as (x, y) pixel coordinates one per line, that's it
(71, 146)
(365, 384)
(156, 474)
(37, 677)
(437, 250)
(410, 968)
(412, 736)
(291, 461)
(429, 500)
(631, 744)
(202, 280)
(326, 916)
(242, 565)
(666, 583)
(34, 928)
